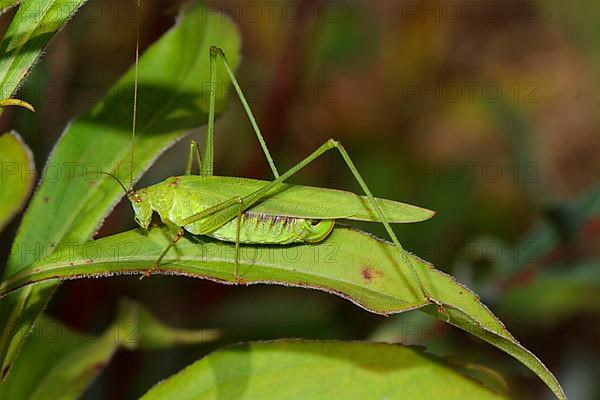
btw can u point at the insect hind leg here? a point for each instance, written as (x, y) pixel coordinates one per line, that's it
(329, 145)
(381, 216)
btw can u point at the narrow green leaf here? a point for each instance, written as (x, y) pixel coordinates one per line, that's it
(67, 208)
(151, 333)
(319, 370)
(32, 27)
(17, 175)
(357, 266)
(16, 103)
(60, 363)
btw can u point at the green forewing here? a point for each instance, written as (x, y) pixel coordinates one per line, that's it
(300, 201)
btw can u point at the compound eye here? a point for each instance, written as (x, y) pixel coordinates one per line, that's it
(138, 199)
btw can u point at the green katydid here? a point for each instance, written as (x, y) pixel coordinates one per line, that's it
(249, 211)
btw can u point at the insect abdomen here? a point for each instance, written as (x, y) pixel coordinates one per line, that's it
(270, 229)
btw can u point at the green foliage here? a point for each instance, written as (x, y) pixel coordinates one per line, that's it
(34, 24)
(64, 214)
(17, 176)
(319, 370)
(173, 100)
(354, 265)
(58, 362)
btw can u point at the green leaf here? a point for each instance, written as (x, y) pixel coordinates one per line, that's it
(60, 363)
(153, 334)
(319, 370)
(32, 27)
(67, 208)
(17, 175)
(357, 266)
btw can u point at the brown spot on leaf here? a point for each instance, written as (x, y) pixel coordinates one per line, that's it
(175, 181)
(368, 273)
(89, 261)
(45, 199)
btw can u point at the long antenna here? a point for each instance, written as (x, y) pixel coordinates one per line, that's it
(135, 88)
(116, 179)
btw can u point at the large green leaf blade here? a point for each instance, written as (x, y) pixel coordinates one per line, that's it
(34, 24)
(59, 362)
(16, 177)
(349, 263)
(319, 370)
(173, 99)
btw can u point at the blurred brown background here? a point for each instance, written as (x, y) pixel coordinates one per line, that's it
(483, 111)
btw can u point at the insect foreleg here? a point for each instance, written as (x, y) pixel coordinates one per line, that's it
(211, 224)
(156, 264)
(193, 151)
(214, 52)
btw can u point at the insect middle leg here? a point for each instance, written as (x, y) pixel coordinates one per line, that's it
(193, 151)
(215, 218)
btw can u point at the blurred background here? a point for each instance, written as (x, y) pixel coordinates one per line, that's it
(483, 111)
